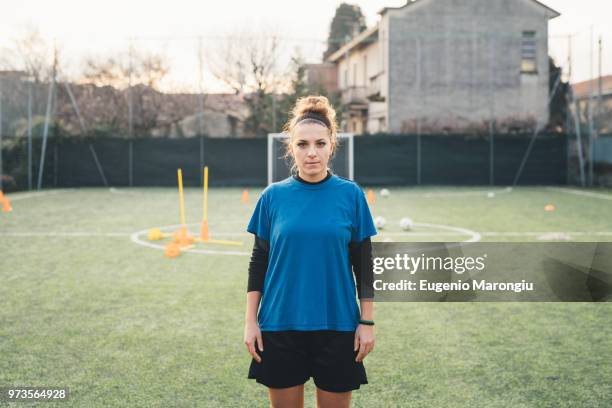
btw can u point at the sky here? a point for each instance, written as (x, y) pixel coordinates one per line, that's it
(94, 28)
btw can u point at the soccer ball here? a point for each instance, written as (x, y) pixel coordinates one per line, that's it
(491, 194)
(384, 192)
(406, 224)
(380, 222)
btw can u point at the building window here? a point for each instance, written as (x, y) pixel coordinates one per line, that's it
(365, 70)
(355, 74)
(528, 53)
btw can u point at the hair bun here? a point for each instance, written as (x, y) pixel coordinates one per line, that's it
(316, 104)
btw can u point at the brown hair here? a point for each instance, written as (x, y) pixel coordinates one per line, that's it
(310, 104)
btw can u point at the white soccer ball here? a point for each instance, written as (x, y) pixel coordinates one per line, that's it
(491, 195)
(380, 222)
(406, 224)
(384, 192)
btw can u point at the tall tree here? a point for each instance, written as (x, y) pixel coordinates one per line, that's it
(347, 23)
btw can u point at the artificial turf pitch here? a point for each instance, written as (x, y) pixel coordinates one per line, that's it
(83, 305)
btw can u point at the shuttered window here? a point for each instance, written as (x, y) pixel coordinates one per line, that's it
(528, 52)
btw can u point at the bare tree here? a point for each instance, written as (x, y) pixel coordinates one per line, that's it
(250, 64)
(145, 69)
(35, 54)
(144, 72)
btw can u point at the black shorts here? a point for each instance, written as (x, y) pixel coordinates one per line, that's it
(290, 358)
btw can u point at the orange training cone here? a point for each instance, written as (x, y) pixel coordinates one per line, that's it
(6, 203)
(6, 206)
(245, 196)
(204, 231)
(172, 250)
(182, 237)
(371, 196)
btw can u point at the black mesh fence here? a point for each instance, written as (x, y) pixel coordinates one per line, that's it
(378, 160)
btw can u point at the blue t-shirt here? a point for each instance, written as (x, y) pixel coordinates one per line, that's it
(309, 284)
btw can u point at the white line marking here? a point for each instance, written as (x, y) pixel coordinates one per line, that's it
(526, 234)
(474, 236)
(65, 234)
(380, 234)
(23, 196)
(581, 193)
(135, 237)
(461, 194)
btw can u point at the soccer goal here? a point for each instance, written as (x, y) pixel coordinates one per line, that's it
(279, 169)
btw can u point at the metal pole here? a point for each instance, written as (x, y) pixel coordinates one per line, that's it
(579, 143)
(131, 162)
(491, 113)
(273, 113)
(130, 113)
(418, 119)
(84, 130)
(201, 92)
(201, 158)
(1, 166)
(55, 164)
(30, 134)
(599, 88)
(45, 134)
(591, 130)
(535, 135)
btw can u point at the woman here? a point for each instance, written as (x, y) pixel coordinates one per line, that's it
(309, 229)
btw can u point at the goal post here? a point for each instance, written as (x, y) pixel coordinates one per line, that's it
(341, 164)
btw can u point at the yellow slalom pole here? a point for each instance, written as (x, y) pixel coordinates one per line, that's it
(219, 241)
(181, 198)
(204, 228)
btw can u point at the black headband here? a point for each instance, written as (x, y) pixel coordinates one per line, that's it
(315, 116)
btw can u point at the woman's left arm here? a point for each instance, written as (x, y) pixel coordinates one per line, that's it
(361, 260)
(364, 335)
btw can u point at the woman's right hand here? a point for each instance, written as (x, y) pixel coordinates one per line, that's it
(252, 335)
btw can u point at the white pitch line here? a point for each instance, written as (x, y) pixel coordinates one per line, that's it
(245, 234)
(24, 196)
(461, 194)
(526, 234)
(421, 234)
(474, 236)
(135, 238)
(581, 193)
(65, 234)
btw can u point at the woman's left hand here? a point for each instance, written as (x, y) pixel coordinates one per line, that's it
(364, 341)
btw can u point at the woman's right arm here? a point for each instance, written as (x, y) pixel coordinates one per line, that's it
(257, 273)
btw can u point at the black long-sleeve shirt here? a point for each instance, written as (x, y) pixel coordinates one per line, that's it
(360, 255)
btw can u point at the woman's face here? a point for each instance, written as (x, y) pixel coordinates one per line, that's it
(311, 148)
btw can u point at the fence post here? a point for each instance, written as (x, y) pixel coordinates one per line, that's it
(55, 164)
(201, 159)
(419, 159)
(492, 159)
(131, 163)
(567, 157)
